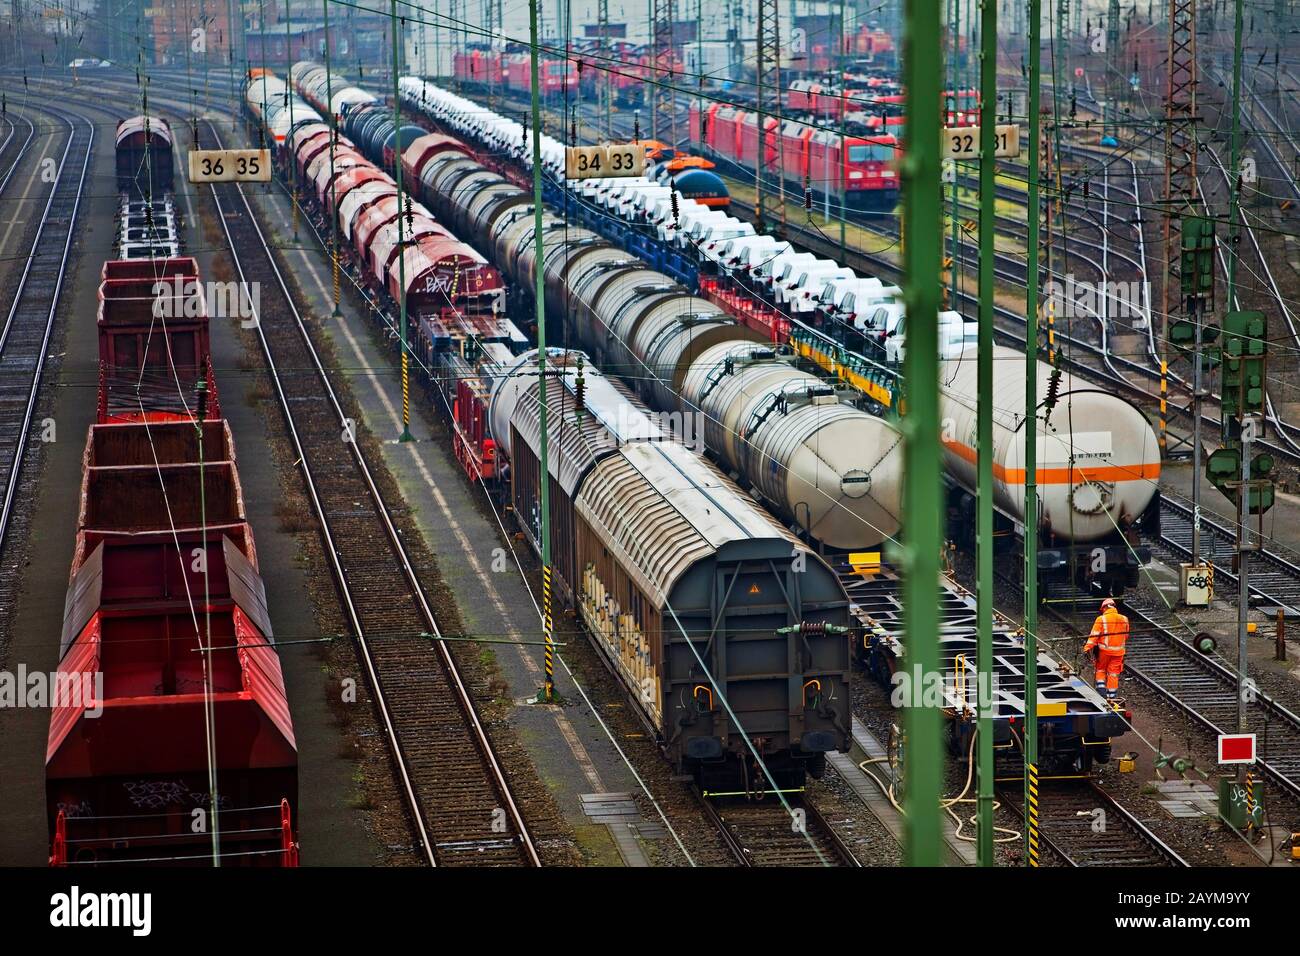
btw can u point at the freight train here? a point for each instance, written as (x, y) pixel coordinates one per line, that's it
(728, 631)
(1099, 468)
(167, 630)
(148, 224)
(403, 255)
(646, 533)
(823, 465)
(492, 400)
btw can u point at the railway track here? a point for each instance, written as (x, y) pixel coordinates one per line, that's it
(1274, 577)
(457, 794)
(29, 323)
(1201, 686)
(18, 150)
(765, 834)
(1084, 826)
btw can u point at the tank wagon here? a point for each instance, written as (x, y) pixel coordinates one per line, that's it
(1098, 468)
(727, 630)
(163, 543)
(276, 110)
(843, 491)
(416, 259)
(315, 86)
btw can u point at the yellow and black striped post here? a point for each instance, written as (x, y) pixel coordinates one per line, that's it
(1250, 801)
(1164, 404)
(337, 288)
(1031, 817)
(1051, 331)
(549, 633)
(406, 395)
(539, 306)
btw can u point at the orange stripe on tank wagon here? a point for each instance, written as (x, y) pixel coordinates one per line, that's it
(1148, 471)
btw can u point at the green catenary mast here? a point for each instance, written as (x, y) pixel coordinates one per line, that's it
(539, 303)
(988, 64)
(922, 500)
(1031, 443)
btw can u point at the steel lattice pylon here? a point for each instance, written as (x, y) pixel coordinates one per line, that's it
(1181, 187)
(1180, 142)
(605, 76)
(769, 101)
(662, 99)
(1115, 80)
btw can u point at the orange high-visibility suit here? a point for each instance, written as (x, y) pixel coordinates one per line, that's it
(1109, 636)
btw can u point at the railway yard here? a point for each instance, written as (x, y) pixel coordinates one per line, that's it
(293, 332)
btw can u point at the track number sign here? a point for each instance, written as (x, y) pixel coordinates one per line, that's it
(602, 162)
(963, 142)
(230, 165)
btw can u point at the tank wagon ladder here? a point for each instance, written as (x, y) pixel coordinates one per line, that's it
(448, 771)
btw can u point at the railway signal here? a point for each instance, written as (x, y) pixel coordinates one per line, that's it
(1245, 357)
(1188, 337)
(1182, 336)
(1236, 748)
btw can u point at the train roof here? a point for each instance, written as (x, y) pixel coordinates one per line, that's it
(661, 510)
(608, 419)
(136, 126)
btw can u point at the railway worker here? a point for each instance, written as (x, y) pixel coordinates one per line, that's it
(1106, 642)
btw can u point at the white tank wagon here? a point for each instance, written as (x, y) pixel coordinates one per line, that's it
(1098, 462)
(262, 92)
(275, 108)
(655, 547)
(804, 446)
(317, 86)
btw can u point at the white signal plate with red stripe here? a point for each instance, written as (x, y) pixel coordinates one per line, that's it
(1236, 748)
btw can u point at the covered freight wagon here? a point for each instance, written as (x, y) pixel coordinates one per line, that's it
(718, 620)
(145, 160)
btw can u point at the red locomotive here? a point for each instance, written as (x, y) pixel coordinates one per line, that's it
(862, 168)
(514, 71)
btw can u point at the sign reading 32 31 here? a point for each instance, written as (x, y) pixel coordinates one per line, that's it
(963, 142)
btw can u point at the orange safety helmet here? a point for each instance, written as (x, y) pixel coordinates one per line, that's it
(1108, 603)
